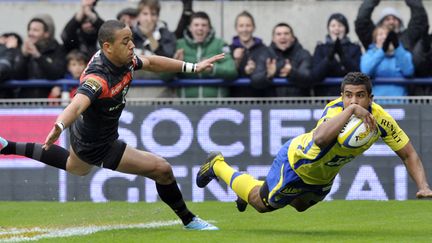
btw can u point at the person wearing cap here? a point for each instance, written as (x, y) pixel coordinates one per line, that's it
(391, 19)
(128, 16)
(81, 31)
(336, 57)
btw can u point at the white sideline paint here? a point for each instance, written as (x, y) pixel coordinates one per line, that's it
(17, 235)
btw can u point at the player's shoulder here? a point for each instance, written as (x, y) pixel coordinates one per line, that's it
(333, 107)
(96, 66)
(378, 111)
(385, 121)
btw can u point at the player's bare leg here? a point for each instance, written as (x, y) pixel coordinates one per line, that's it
(256, 201)
(76, 166)
(146, 164)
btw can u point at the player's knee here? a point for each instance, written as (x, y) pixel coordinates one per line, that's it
(164, 171)
(256, 201)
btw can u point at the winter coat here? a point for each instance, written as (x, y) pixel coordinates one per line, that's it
(7, 59)
(417, 25)
(376, 63)
(260, 85)
(7, 56)
(74, 38)
(167, 45)
(422, 57)
(165, 38)
(323, 66)
(300, 75)
(196, 52)
(50, 65)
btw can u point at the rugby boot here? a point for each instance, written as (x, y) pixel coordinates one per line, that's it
(206, 172)
(200, 224)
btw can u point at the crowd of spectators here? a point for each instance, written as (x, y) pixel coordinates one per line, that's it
(389, 48)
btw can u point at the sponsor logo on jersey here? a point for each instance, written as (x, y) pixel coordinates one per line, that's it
(92, 85)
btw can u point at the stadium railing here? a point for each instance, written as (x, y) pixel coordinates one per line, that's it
(65, 84)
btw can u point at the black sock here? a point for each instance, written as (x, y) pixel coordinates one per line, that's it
(171, 195)
(55, 156)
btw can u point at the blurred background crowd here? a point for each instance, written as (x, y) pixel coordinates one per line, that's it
(388, 47)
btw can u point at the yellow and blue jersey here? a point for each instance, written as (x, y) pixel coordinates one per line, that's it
(316, 166)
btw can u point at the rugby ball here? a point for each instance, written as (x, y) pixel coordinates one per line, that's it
(354, 134)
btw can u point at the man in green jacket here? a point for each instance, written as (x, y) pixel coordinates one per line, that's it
(199, 43)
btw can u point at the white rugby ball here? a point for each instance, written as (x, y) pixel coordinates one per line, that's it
(354, 134)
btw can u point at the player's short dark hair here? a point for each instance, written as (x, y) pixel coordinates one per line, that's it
(357, 78)
(200, 15)
(107, 31)
(282, 24)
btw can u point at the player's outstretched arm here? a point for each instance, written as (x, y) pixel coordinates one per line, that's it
(78, 105)
(165, 64)
(415, 168)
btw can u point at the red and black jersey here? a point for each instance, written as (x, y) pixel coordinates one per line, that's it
(106, 85)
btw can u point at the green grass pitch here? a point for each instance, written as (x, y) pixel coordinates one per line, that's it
(335, 221)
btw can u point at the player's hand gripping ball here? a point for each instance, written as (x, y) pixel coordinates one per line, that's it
(354, 134)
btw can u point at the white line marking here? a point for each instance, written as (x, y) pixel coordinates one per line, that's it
(18, 235)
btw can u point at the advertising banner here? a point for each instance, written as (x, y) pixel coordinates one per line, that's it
(249, 136)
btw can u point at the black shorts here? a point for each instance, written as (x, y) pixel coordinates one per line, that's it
(106, 155)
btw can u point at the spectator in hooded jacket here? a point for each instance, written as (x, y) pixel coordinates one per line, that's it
(293, 62)
(41, 57)
(152, 37)
(253, 60)
(386, 57)
(199, 43)
(81, 31)
(336, 57)
(392, 19)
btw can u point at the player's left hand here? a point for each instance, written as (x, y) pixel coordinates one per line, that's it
(424, 193)
(208, 63)
(52, 137)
